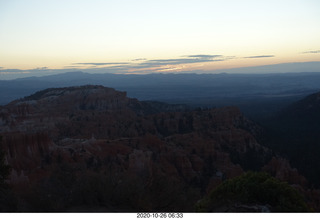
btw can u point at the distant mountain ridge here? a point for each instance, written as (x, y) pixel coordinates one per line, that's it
(292, 67)
(252, 93)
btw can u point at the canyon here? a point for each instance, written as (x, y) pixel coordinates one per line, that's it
(63, 139)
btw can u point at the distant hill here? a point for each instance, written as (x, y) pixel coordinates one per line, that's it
(307, 109)
(252, 93)
(294, 132)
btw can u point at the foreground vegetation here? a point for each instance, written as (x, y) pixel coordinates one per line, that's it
(253, 192)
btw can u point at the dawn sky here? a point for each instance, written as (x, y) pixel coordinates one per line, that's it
(143, 36)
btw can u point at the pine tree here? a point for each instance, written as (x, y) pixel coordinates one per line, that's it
(4, 168)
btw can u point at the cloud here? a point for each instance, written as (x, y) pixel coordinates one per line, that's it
(204, 56)
(153, 65)
(142, 64)
(258, 57)
(139, 65)
(188, 60)
(141, 59)
(101, 63)
(73, 66)
(177, 61)
(176, 64)
(40, 68)
(313, 51)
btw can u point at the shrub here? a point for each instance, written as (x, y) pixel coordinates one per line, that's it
(253, 189)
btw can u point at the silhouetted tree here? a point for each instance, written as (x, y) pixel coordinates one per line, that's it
(4, 168)
(8, 202)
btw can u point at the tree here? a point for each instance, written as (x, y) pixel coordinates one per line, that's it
(4, 168)
(253, 191)
(8, 202)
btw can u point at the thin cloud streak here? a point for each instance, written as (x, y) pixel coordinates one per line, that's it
(140, 59)
(101, 63)
(73, 66)
(258, 57)
(179, 61)
(203, 56)
(313, 51)
(40, 68)
(190, 59)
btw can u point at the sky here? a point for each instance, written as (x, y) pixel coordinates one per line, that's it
(148, 36)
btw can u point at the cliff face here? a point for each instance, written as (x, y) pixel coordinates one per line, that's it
(98, 129)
